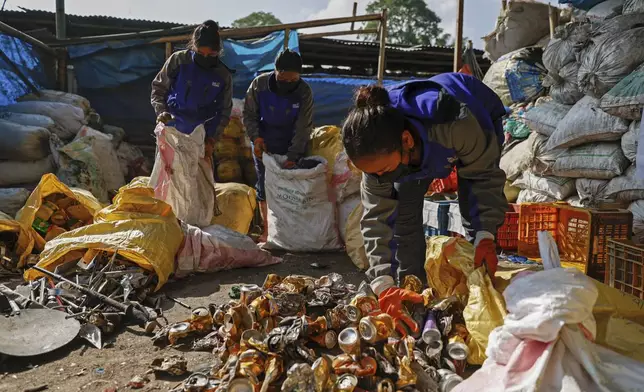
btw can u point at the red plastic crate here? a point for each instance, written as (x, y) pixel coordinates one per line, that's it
(535, 217)
(626, 267)
(507, 237)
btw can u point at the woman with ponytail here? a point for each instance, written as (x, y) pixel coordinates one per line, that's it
(402, 138)
(194, 87)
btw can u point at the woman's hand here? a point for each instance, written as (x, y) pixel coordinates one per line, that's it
(164, 118)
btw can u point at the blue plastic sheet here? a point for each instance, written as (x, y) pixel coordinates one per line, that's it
(30, 63)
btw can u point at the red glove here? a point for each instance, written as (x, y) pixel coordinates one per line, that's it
(391, 302)
(485, 253)
(289, 165)
(259, 147)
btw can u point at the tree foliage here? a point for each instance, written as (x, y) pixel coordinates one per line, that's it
(255, 19)
(409, 22)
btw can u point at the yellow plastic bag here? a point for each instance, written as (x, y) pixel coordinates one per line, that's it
(450, 271)
(48, 185)
(326, 142)
(511, 192)
(226, 147)
(141, 228)
(229, 171)
(237, 203)
(24, 243)
(235, 128)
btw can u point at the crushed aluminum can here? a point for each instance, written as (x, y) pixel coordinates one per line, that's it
(290, 304)
(456, 347)
(362, 366)
(208, 342)
(428, 297)
(386, 385)
(328, 339)
(251, 365)
(240, 385)
(178, 331)
(349, 341)
(434, 349)
(254, 339)
(263, 306)
(322, 374)
(274, 371)
(271, 281)
(315, 326)
(342, 316)
(197, 382)
(406, 375)
(365, 303)
(449, 380)
(248, 293)
(346, 383)
(412, 283)
(374, 329)
(299, 378)
(201, 320)
(431, 332)
(175, 365)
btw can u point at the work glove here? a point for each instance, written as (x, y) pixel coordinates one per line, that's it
(391, 300)
(289, 165)
(485, 253)
(164, 118)
(259, 147)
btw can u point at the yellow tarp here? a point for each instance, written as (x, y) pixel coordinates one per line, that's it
(25, 242)
(48, 185)
(237, 203)
(450, 271)
(142, 229)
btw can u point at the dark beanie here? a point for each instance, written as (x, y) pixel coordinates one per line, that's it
(288, 61)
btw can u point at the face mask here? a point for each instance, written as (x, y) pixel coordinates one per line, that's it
(286, 87)
(399, 172)
(206, 61)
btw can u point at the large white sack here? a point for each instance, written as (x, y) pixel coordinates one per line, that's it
(630, 141)
(345, 182)
(12, 199)
(68, 118)
(637, 209)
(108, 161)
(34, 120)
(300, 215)
(530, 196)
(586, 123)
(522, 24)
(60, 97)
(182, 177)
(17, 173)
(626, 188)
(633, 7)
(558, 188)
(117, 133)
(217, 248)
(563, 84)
(518, 159)
(610, 60)
(626, 99)
(575, 201)
(130, 159)
(543, 160)
(591, 192)
(601, 161)
(543, 118)
(350, 214)
(23, 142)
(560, 51)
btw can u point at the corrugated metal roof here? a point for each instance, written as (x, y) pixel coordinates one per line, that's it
(36, 13)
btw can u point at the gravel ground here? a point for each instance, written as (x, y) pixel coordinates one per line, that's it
(79, 367)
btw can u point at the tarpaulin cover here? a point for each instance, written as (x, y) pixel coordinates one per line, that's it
(24, 243)
(141, 228)
(48, 185)
(30, 63)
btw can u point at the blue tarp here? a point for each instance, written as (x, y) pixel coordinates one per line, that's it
(27, 59)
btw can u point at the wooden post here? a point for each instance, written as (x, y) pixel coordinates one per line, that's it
(458, 44)
(382, 63)
(287, 36)
(553, 15)
(61, 22)
(168, 50)
(355, 12)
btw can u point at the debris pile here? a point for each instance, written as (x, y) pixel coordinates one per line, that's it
(307, 334)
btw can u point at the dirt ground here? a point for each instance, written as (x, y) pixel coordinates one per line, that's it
(80, 367)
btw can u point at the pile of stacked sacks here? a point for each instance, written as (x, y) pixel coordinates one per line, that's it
(585, 125)
(58, 132)
(233, 155)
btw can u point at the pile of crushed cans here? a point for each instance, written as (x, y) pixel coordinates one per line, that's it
(303, 334)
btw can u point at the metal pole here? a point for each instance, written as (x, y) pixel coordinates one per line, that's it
(5, 28)
(383, 47)
(61, 23)
(355, 12)
(458, 45)
(336, 33)
(287, 36)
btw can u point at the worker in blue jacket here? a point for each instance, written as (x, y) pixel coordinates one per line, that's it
(402, 138)
(194, 87)
(278, 117)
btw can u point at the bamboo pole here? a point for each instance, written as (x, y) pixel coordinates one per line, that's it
(5, 28)
(553, 16)
(355, 12)
(337, 33)
(168, 50)
(458, 45)
(382, 63)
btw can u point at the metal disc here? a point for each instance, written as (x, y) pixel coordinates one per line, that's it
(35, 332)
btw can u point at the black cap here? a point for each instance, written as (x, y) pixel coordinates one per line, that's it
(288, 61)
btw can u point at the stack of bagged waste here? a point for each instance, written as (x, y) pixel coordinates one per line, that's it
(233, 154)
(58, 132)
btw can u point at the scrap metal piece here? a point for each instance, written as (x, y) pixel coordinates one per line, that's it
(175, 365)
(35, 332)
(92, 334)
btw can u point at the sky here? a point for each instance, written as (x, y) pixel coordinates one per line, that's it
(479, 15)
